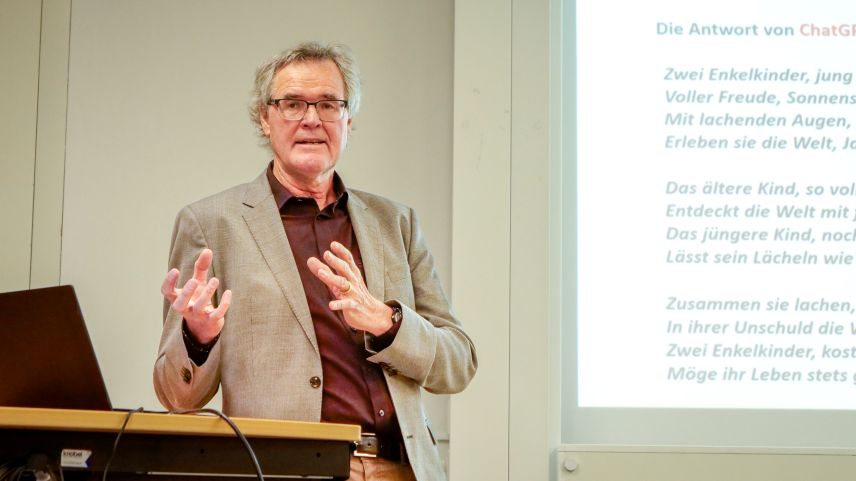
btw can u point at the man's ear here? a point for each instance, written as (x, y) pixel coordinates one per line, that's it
(263, 118)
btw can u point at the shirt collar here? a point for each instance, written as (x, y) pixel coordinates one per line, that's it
(281, 194)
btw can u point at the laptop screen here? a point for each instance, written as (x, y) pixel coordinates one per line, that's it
(46, 357)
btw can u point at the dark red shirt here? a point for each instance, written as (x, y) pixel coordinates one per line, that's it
(355, 391)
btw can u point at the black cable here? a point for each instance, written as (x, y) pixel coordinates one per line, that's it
(11, 471)
(16, 470)
(250, 452)
(5, 470)
(222, 416)
(116, 442)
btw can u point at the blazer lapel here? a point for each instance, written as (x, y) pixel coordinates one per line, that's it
(367, 231)
(263, 220)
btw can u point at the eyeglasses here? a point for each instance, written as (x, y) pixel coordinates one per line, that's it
(295, 109)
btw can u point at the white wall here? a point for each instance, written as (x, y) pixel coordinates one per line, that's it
(504, 270)
(19, 82)
(480, 273)
(652, 463)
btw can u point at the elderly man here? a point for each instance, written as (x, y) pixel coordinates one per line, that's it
(323, 302)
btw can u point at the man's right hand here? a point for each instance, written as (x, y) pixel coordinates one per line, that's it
(193, 301)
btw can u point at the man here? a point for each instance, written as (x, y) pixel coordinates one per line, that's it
(323, 302)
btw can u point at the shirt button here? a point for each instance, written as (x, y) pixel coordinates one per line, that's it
(315, 382)
(381, 413)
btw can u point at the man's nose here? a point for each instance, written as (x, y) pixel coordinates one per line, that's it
(311, 116)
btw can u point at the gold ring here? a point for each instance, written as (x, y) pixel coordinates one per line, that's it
(348, 289)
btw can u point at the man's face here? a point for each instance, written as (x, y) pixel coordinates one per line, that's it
(307, 149)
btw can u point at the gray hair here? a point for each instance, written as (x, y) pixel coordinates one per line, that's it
(308, 51)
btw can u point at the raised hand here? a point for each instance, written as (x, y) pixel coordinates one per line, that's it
(361, 310)
(193, 301)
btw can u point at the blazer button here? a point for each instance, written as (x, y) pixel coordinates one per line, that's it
(315, 382)
(185, 375)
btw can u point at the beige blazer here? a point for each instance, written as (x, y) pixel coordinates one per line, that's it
(267, 355)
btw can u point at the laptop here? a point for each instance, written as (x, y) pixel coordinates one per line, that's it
(46, 356)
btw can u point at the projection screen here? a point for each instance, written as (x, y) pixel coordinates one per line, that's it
(710, 222)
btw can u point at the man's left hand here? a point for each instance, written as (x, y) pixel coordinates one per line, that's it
(341, 275)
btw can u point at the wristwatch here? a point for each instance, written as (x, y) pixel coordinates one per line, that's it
(396, 315)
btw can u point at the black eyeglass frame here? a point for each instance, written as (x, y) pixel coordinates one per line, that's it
(344, 104)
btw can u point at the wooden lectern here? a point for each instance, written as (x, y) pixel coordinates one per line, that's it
(175, 445)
